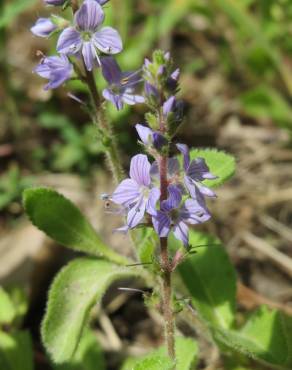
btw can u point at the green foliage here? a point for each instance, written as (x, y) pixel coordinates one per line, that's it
(88, 355)
(210, 279)
(154, 361)
(12, 184)
(78, 287)
(266, 102)
(16, 351)
(13, 306)
(220, 163)
(7, 310)
(12, 9)
(78, 146)
(266, 336)
(186, 353)
(60, 219)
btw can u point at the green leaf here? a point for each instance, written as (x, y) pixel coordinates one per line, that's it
(146, 241)
(60, 219)
(88, 355)
(154, 362)
(266, 102)
(78, 287)
(186, 357)
(210, 279)
(267, 337)
(7, 310)
(220, 163)
(16, 351)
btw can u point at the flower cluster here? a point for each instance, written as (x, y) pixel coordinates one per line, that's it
(141, 195)
(86, 42)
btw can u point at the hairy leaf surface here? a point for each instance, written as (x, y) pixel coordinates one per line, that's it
(78, 287)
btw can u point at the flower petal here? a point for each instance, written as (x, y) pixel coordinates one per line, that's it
(161, 223)
(174, 199)
(43, 27)
(181, 232)
(145, 133)
(69, 41)
(183, 148)
(194, 213)
(126, 193)
(154, 196)
(111, 70)
(136, 213)
(199, 170)
(114, 98)
(89, 16)
(168, 106)
(108, 40)
(89, 55)
(132, 99)
(140, 169)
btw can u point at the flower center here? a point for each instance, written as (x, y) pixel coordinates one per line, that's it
(174, 215)
(145, 192)
(86, 35)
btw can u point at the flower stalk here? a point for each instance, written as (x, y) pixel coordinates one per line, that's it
(112, 154)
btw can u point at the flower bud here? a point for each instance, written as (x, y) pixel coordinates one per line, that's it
(54, 2)
(43, 27)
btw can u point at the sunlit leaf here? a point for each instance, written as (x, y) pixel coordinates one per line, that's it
(78, 287)
(60, 219)
(267, 336)
(210, 279)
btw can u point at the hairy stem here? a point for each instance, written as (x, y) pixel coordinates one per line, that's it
(112, 154)
(166, 264)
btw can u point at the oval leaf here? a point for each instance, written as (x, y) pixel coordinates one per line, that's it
(60, 219)
(78, 287)
(210, 279)
(220, 163)
(266, 337)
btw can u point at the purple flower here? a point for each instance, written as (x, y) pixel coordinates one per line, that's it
(173, 170)
(121, 84)
(54, 2)
(195, 172)
(136, 193)
(56, 69)
(150, 137)
(87, 38)
(176, 216)
(43, 27)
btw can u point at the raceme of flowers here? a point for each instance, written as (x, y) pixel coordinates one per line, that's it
(139, 194)
(90, 44)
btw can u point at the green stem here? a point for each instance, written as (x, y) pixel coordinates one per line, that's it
(112, 153)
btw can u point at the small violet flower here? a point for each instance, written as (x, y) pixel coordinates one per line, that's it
(136, 193)
(43, 27)
(57, 69)
(121, 84)
(54, 2)
(150, 137)
(87, 38)
(176, 216)
(195, 172)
